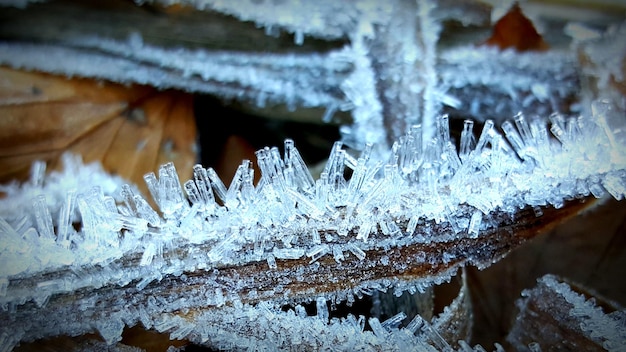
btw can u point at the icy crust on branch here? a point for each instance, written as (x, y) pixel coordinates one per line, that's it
(294, 79)
(267, 327)
(487, 81)
(307, 80)
(241, 326)
(574, 321)
(357, 204)
(324, 19)
(60, 234)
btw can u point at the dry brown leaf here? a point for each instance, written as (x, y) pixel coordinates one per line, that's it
(515, 30)
(130, 129)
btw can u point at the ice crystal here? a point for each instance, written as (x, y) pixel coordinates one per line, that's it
(289, 215)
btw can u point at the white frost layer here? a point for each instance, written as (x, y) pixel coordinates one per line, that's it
(573, 313)
(325, 18)
(608, 330)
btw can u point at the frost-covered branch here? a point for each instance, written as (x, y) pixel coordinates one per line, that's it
(400, 224)
(233, 266)
(566, 316)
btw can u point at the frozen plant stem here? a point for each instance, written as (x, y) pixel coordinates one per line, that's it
(402, 224)
(401, 267)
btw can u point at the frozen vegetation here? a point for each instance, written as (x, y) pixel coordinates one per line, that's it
(244, 253)
(202, 225)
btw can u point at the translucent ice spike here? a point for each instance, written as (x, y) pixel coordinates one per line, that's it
(65, 219)
(394, 321)
(407, 151)
(128, 194)
(558, 128)
(615, 184)
(356, 251)
(423, 329)
(335, 160)
(322, 309)
(416, 132)
(100, 226)
(145, 211)
(357, 179)
(91, 228)
(148, 254)
(377, 328)
(474, 225)
(193, 194)
(318, 251)
(203, 184)
(329, 113)
(514, 138)
(247, 185)
(270, 164)
(338, 253)
(451, 157)
(432, 152)
(171, 198)
(600, 110)
(276, 161)
(572, 128)
(308, 206)
(37, 173)
(109, 204)
(262, 156)
(485, 136)
(539, 133)
(43, 220)
(288, 253)
(524, 129)
(443, 127)
(217, 184)
(293, 159)
(467, 139)
(336, 179)
(11, 239)
(235, 185)
(322, 188)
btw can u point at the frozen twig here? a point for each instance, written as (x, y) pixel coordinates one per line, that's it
(402, 225)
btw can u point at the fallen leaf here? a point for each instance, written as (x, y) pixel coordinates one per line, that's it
(515, 30)
(131, 130)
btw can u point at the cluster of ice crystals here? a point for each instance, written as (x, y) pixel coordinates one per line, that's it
(358, 203)
(573, 312)
(37, 216)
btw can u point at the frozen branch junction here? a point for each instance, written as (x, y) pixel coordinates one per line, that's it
(81, 251)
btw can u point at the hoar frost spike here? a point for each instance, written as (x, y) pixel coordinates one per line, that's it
(244, 250)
